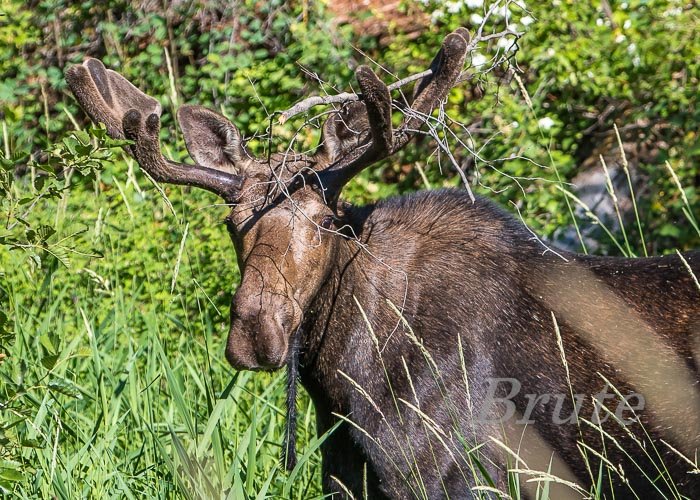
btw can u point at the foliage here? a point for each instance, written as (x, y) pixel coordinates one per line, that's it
(247, 58)
(75, 156)
(114, 295)
(582, 70)
(75, 159)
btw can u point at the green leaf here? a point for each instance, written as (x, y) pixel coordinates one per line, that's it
(82, 137)
(49, 361)
(670, 230)
(32, 443)
(45, 232)
(10, 470)
(45, 341)
(65, 387)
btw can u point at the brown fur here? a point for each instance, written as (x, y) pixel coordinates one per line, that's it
(467, 278)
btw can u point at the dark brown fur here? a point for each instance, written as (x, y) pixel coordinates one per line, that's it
(467, 277)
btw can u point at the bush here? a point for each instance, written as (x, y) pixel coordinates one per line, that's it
(582, 70)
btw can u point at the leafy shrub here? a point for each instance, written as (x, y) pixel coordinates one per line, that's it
(245, 58)
(582, 70)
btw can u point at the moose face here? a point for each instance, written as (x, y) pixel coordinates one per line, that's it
(283, 256)
(281, 221)
(285, 248)
(281, 227)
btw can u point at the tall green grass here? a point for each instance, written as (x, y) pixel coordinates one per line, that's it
(116, 385)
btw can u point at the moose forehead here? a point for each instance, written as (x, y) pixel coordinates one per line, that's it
(277, 169)
(278, 236)
(277, 201)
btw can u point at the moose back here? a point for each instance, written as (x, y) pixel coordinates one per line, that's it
(448, 342)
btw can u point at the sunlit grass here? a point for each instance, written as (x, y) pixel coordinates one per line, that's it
(117, 386)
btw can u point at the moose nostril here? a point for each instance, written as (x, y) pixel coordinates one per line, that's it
(231, 356)
(271, 344)
(271, 355)
(240, 353)
(256, 342)
(270, 359)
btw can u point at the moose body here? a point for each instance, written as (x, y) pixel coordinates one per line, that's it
(473, 277)
(401, 316)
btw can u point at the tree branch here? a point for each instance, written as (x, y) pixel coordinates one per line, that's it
(308, 103)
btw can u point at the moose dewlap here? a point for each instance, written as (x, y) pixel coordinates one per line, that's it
(412, 322)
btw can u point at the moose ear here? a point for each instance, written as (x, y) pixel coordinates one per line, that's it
(211, 139)
(345, 130)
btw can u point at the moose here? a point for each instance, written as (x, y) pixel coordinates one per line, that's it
(442, 344)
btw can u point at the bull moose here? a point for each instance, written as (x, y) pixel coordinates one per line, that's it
(439, 336)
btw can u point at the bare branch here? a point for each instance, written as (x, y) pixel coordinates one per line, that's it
(345, 97)
(317, 100)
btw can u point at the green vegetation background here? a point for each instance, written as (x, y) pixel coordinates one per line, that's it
(114, 296)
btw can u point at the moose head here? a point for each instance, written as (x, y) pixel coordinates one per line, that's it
(284, 208)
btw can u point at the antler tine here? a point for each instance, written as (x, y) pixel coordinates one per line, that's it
(352, 153)
(378, 103)
(431, 90)
(384, 141)
(89, 84)
(108, 97)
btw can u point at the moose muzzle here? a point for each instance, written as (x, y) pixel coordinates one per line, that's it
(259, 338)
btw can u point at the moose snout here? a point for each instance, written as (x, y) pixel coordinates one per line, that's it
(257, 341)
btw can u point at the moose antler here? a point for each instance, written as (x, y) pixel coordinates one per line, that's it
(382, 140)
(108, 97)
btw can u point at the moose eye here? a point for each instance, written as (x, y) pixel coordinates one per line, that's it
(327, 222)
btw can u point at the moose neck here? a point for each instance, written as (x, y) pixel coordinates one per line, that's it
(333, 301)
(394, 274)
(335, 333)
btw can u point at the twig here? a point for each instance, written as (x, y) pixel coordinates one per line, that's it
(316, 100)
(310, 102)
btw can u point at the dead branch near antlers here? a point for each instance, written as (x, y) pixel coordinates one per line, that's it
(345, 97)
